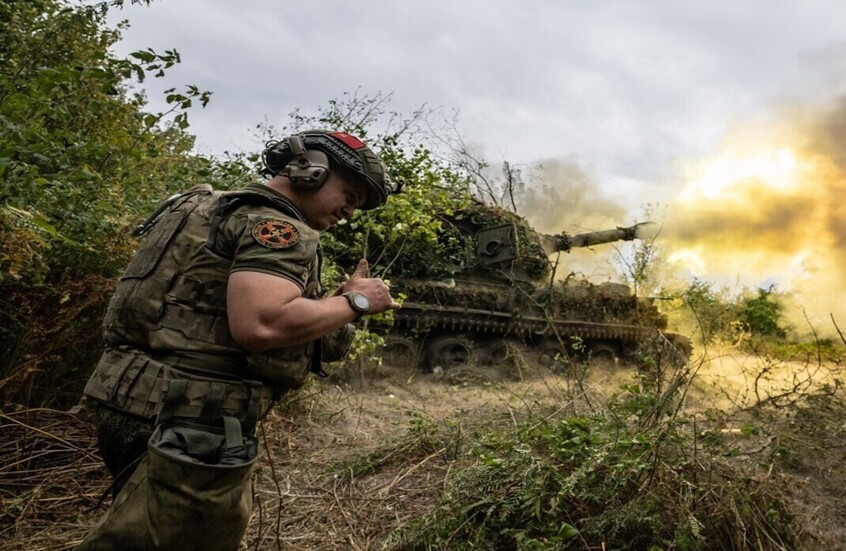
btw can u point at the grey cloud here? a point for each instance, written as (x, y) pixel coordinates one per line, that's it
(626, 87)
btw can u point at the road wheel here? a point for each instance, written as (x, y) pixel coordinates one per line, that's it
(553, 356)
(400, 353)
(447, 352)
(494, 352)
(603, 355)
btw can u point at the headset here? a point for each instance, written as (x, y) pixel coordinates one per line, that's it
(307, 169)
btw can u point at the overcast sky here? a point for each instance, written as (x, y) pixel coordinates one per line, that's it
(628, 89)
(732, 114)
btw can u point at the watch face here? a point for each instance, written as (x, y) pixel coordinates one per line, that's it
(361, 302)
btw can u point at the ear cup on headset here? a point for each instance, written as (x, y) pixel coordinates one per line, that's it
(307, 169)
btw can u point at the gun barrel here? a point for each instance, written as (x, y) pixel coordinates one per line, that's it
(565, 242)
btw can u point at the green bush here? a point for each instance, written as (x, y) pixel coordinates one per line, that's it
(634, 476)
(762, 314)
(81, 162)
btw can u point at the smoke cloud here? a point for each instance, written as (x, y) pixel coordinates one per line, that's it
(565, 198)
(768, 209)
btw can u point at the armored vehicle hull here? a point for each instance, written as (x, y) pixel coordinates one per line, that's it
(502, 299)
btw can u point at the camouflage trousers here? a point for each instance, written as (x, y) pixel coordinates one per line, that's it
(191, 491)
(122, 440)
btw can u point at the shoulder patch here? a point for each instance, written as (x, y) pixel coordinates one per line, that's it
(276, 234)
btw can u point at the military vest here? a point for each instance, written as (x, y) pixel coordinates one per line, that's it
(167, 318)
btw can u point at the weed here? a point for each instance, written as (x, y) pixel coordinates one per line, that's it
(635, 475)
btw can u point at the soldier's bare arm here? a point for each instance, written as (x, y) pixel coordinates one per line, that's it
(267, 311)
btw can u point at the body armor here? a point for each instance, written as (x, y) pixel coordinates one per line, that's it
(167, 319)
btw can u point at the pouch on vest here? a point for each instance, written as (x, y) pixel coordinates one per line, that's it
(132, 381)
(192, 491)
(286, 368)
(337, 344)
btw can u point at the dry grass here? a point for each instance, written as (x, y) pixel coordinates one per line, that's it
(50, 478)
(341, 467)
(307, 501)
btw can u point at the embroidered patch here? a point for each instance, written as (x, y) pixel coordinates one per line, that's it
(276, 234)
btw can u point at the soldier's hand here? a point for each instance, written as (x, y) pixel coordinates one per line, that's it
(372, 287)
(362, 270)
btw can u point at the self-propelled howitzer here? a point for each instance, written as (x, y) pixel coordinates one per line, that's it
(501, 296)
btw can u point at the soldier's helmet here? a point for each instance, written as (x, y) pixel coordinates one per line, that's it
(294, 157)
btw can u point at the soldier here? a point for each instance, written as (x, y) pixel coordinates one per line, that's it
(219, 313)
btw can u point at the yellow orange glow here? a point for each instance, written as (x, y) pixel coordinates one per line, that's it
(719, 176)
(690, 260)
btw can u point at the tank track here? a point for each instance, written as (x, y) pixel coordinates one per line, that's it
(422, 317)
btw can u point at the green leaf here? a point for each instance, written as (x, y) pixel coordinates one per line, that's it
(567, 531)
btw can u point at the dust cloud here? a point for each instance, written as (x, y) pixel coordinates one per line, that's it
(768, 210)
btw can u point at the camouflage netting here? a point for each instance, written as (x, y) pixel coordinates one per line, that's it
(532, 260)
(474, 295)
(521, 285)
(571, 301)
(605, 303)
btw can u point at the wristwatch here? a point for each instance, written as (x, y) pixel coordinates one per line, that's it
(358, 302)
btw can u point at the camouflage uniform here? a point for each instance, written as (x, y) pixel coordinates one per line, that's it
(172, 381)
(168, 319)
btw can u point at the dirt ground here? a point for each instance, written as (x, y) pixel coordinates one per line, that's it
(342, 463)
